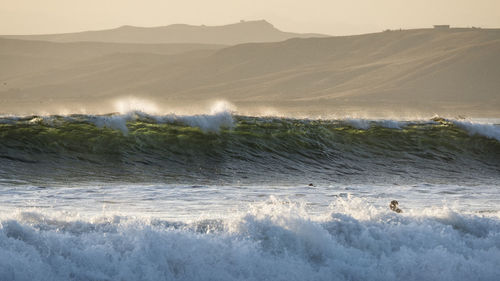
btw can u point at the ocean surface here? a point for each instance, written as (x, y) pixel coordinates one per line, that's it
(138, 196)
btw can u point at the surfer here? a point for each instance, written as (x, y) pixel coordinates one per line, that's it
(394, 206)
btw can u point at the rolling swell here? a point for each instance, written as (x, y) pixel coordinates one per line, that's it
(222, 147)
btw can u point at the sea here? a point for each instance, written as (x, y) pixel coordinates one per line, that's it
(223, 196)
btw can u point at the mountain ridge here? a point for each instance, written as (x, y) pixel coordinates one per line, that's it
(230, 34)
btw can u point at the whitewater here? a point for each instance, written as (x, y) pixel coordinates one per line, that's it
(222, 196)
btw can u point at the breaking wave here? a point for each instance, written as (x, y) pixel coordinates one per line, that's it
(474, 128)
(222, 146)
(273, 240)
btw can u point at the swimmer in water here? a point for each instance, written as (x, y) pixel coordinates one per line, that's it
(394, 206)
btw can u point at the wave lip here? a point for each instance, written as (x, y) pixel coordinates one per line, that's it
(489, 130)
(206, 122)
(275, 240)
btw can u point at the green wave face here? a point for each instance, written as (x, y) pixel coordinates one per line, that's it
(228, 149)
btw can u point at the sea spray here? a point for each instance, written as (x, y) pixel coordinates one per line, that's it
(130, 104)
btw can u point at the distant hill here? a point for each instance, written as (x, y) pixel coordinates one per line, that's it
(242, 32)
(429, 71)
(26, 56)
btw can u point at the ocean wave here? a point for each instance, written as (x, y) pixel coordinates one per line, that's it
(222, 146)
(272, 240)
(365, 124)
(206, 122)
(489, 130)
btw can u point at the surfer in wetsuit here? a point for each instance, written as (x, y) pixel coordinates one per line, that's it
(394, 206)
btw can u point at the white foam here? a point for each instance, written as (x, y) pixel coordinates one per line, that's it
(489, 130)
(390, 124)
(207, 123)
(116, 122)
(220, 116)
(273, 240)
(211, 123)
(362, 124)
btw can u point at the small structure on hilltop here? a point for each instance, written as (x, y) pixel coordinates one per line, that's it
(442, 26)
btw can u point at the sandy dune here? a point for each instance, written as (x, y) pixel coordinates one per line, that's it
(448, 72)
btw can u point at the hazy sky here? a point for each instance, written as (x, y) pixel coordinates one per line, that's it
(324, 16)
